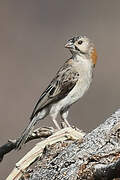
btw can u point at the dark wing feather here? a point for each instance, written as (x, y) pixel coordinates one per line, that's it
(59, 87)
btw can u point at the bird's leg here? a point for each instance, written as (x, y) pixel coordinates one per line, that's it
(53, 115)
(64, 115)
(56, 124)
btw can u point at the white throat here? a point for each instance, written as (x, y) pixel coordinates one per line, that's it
(83, 61)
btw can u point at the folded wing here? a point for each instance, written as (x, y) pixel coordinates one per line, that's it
(59, 87)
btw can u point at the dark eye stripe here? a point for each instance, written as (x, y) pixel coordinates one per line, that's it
(77, 48)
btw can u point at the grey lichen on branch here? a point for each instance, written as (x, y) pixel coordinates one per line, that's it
(83, 160)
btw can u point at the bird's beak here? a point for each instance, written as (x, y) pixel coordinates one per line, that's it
(69, 44)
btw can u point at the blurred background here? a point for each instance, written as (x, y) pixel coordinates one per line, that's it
(32, 38)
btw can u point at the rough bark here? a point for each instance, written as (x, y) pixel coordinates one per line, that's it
(65, 134)
(97, 157)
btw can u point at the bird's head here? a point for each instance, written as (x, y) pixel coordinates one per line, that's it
(83, 46)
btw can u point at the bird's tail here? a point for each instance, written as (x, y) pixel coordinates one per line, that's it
(24, 136)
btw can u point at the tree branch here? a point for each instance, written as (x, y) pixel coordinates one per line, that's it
(71, 155)
(97, 157)
(41, 148)
(39, 133)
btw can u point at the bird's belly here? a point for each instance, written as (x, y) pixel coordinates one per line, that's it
(74, 95)
(78, 91)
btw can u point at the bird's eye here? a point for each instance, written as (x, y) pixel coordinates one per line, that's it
(80, 42)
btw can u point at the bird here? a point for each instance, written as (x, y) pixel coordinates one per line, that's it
(70, 83)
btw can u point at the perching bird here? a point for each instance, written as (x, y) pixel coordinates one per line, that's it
(68, 86)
